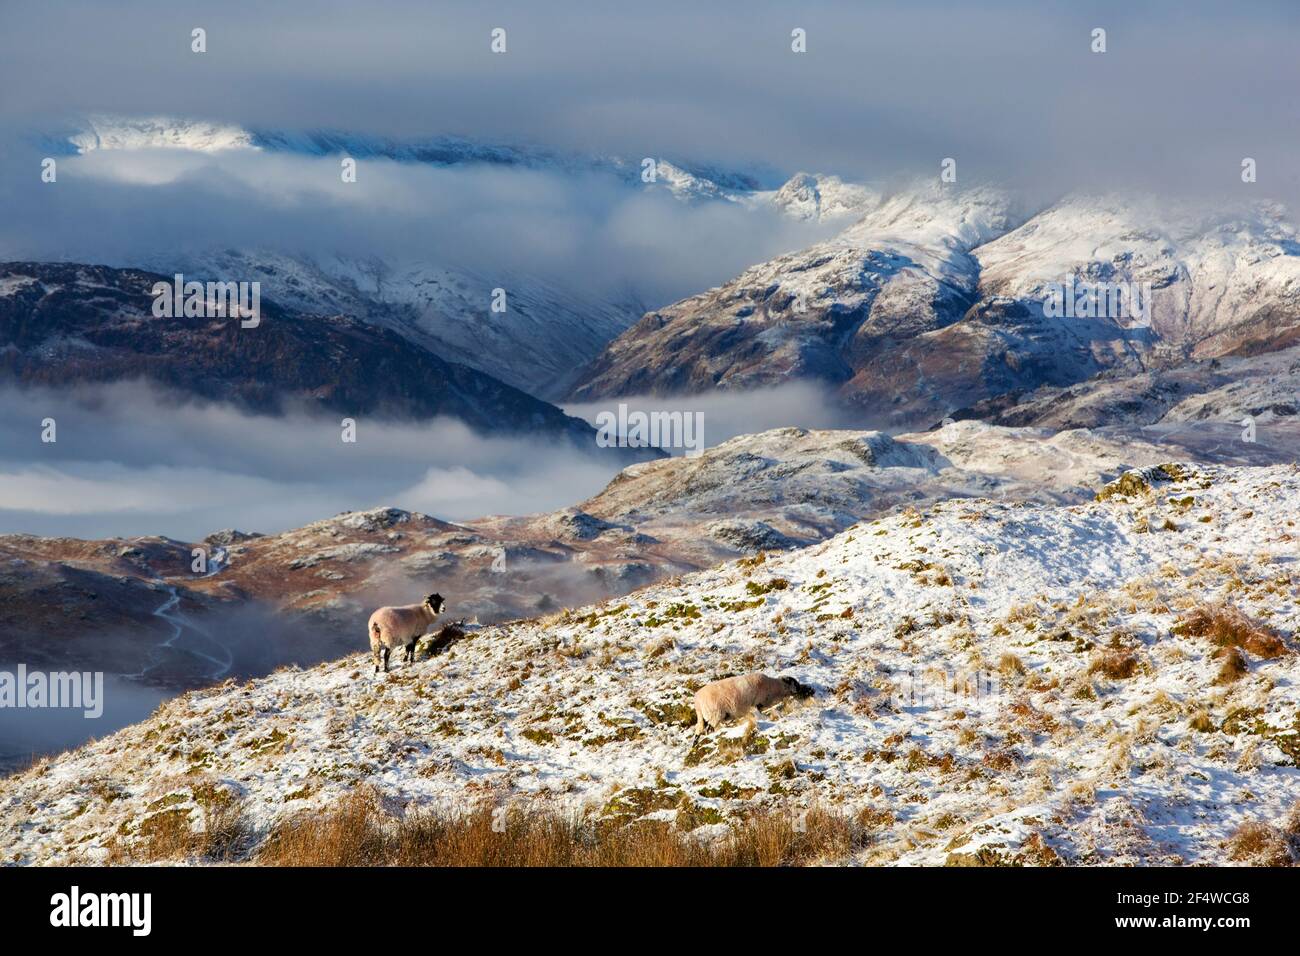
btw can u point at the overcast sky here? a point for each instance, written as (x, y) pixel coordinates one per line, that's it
(1011, 90)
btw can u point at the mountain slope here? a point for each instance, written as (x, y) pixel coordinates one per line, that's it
(902, 270)
(64, 325)
(997, 683)
(308, 591)
(546, 334)
(1265, 387)
(934, 302)
(1223, 280)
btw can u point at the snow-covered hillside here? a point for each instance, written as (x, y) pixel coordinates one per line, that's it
(547, 332)
(996, 682)
(933, 301)
(1220, 278)
(66, 324)
(902, 270)
(775, 490)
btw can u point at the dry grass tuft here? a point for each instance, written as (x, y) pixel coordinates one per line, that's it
(227, 834)
(225, 837)
(1010, 666)
(1235, 666)
(1227, 626)
(1114, 663)
(1260, 844)
(357, 833)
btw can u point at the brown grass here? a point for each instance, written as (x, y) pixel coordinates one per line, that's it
(1235, 666)
(357, 833)
(226, 836)
(1114, 663)
(1260, 844)
(1001, 759)
(1010, 666)
(1263, 844)
(1227, 626)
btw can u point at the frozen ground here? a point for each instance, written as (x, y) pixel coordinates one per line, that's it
(996, 682)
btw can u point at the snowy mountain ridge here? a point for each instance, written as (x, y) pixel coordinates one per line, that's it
(803, 196)
(929, 301)
(550, 329)
(111, 132)
(934, 301)
(547, 333)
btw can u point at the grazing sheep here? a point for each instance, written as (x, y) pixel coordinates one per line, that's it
(734, 696)
(402, 627)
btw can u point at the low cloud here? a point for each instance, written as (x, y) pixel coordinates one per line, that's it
(132, 461)
(584, 230)
(129, 461)
(728, 414)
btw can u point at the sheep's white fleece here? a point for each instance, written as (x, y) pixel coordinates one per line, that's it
(399, 626)
(733, 696)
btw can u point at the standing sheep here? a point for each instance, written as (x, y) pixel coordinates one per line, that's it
(402, 627)
(730, 698)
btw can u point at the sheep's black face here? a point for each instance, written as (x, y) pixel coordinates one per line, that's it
(436, 603)
(796, 689)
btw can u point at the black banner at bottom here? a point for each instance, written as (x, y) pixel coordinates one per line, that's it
(186, 905)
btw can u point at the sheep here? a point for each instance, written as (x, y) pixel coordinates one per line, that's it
(402, 627)
(734, 696)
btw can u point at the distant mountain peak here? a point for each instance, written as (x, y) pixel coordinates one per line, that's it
(103, 131)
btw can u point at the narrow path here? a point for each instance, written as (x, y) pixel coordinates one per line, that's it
(188, 638)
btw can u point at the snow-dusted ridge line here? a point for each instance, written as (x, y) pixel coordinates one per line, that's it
(1062, 763)
(113, 132)
(802, 196)
(933, 300)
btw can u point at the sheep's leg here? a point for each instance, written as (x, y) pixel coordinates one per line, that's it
(387, 653)
(374, 653)
(700, 728)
